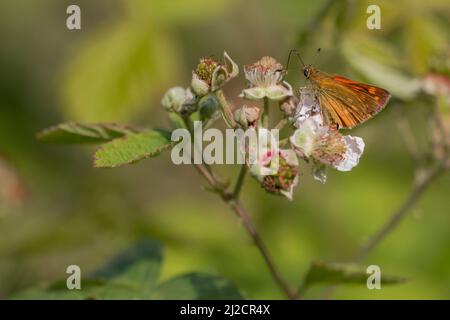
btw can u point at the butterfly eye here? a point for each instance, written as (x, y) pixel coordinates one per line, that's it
(306, 73)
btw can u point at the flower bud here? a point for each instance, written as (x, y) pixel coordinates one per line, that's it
(247, 116)
(179, 100)
(289, 106)
(199, 87)
(208, 107)
(211, 75)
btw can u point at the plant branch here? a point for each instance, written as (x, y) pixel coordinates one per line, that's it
(227, 114)
(236, 205)
(251, 230)
(266, 113)
(232, 199)
(240, 181)
(421, 184)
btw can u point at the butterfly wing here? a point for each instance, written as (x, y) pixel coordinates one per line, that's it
(346, 102)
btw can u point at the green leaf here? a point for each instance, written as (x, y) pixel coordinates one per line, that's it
(132, 65)
(59, 291)
(132, 148)
(78, 133)
(342, 273)
(197, 286)
(138, 266)
(134, 274)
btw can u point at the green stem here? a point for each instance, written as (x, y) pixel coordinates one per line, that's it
(420, 186)
(240, 182)
(240, 212)
(280, 125)
(266, 113)
(226, 109)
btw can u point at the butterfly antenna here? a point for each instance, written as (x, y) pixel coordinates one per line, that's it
(317, 54)
(298, 56)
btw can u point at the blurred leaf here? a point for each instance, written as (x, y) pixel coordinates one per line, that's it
(197, 286)
(132, 148)
(176, 12)
(134, 274)
(113, 76)
(424, 37)
(59, 291)
(139, 265)
(342, 273)
(76, 133)
(371, 66)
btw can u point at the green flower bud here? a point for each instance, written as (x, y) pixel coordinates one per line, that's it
(208, 106)
(210, 75)
(199, 87)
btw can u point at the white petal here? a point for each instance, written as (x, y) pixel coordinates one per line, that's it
(290, 156)
(304, 137)
(355, 148)
(278, 92)
(255, 93)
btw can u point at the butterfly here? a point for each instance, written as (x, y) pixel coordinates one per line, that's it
(345, 102)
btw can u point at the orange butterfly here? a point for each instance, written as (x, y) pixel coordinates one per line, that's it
(344, 102)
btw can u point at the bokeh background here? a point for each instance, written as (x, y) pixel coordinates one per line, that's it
(56, 210)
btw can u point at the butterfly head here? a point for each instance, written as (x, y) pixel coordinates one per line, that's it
(307, 71)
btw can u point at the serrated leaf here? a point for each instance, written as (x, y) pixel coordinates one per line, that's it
(342, 273)
(132, 148)
(197, 286)
(79, 133)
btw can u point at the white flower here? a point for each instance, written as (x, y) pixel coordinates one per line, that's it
(326, 145)
(266, 81)
(277, 172)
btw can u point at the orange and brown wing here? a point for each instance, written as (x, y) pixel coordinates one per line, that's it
(347, 102)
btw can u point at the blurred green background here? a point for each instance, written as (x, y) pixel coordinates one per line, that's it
(57, 210)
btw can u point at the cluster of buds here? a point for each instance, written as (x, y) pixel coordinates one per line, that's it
(208, 77)
(312, 140)
(211, 75)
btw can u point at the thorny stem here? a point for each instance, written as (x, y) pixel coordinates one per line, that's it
(232, 199)
(419, 187)
(240, 181)
(421, 183)
(236, 205)
(408, 138)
